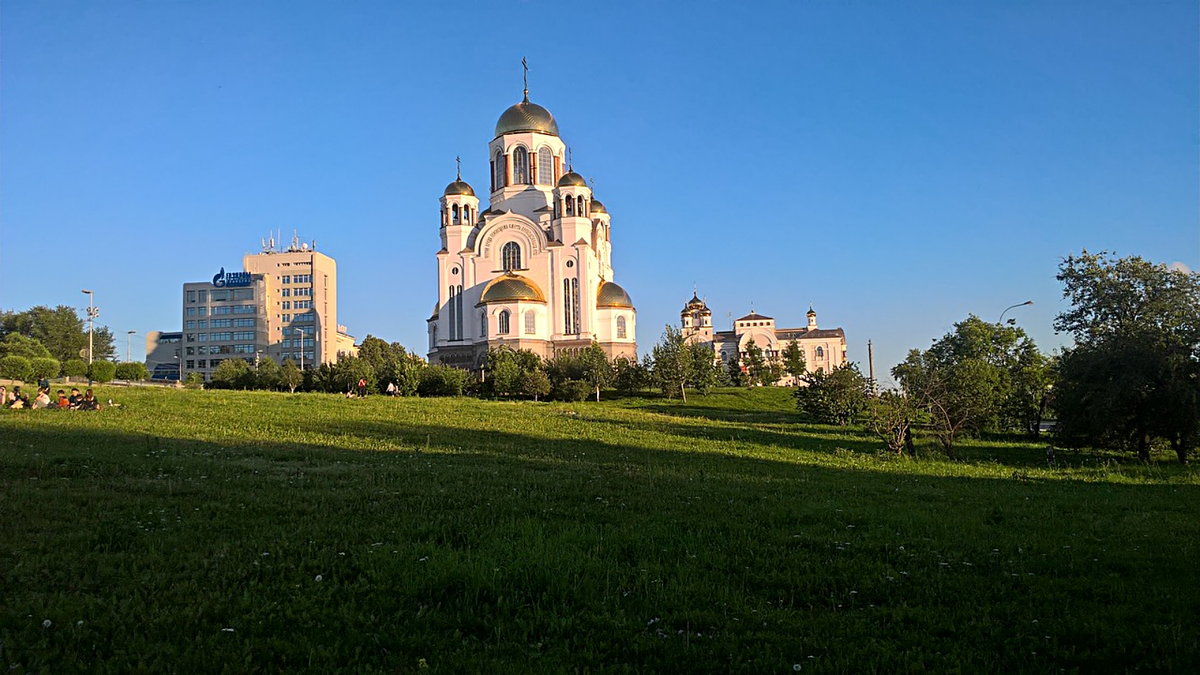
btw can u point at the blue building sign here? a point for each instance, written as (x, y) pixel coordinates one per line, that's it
(222, 279)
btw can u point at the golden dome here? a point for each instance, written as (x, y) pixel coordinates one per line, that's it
(511, 288)
(612, 295)
(459, 187)
(526, 116)
(572, 179)
(695, 304)
(597, 207)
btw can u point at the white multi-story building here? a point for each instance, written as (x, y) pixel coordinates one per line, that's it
(534, 269)
(824, 348)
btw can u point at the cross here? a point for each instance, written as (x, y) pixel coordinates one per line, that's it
(458, 162)
(525, 75)
(570, 162)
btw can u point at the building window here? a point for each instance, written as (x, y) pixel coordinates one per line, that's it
(820, 353)
(530, 319)
(521, 166)
(502, 329)
(498, 171)
(191, 311)
(191, 296)
(510, 256)
(454, 219)
(620, 328)
(202, 323)
(202, 311)
(219, 296)
(545, 166)
(571, 306)
(482, 324)
(191, 364)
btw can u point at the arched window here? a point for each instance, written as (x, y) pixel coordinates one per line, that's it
(498, 171)
(620, 328)
(570, 206)
(454, 215)
(482, 324)
(545, 166)
(520, 166)
(530, 321)
(820, 353)
(579, 208)
(502, 327)
(510, 256)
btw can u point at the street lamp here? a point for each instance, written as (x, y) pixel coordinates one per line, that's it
(128, 343)
(301, 332)
(92, 313)
(1019, 304)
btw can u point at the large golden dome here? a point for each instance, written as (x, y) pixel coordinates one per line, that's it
(511, 288)
(526, 116)
(571, 179)
(612, 295)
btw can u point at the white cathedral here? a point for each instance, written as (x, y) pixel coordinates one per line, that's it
(534, 269)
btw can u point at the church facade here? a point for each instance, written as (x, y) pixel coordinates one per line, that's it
(532, 270)
(824, 348)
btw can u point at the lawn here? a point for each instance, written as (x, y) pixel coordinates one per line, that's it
(197, 531)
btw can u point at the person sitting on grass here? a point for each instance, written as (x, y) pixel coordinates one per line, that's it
(42, 400)
(63, 401)
(89, 402)
(73, 402)
(17, 400)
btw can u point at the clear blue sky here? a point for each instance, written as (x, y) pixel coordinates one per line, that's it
(897, 164)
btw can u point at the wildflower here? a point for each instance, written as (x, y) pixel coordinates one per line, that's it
(46, 623)
(422, 664)
(320, 578)
(796, 667)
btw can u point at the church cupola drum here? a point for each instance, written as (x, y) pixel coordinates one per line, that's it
(533, 270)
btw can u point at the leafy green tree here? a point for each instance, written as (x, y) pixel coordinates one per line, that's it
(233, 374)
(1133, 375)
(104, 371)
(131, 371)
(193, 380)
(16, 368)
(442, 380)
(836, 397)
(891, 415)
(75, 368)
(535, 383)
(503, 372)
(290, 376)
(15, 344)
(630, 376)
(350, 370)
(391, 363)
(705, 368)
(268, 375)
(736, 373)
(756, 365)
(793, 360)
(672, 363)
(46, 367)
(60, 330)
(597, 371)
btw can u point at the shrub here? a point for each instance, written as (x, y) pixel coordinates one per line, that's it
(16, 368)
(104, 371)
(571, 390)
(194, 380)
(45, 367)
(131, 371)
(74, 368)
(233, 374)
(269, 375)
(442, 381)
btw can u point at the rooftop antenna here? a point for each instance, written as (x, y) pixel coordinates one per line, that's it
(525, 76)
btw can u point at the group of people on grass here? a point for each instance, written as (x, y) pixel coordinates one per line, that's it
(17, 400)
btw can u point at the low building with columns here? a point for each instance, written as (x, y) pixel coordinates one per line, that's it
(533, 270)
(824, 348)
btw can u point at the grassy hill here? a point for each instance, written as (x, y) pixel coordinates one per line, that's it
(195, 531)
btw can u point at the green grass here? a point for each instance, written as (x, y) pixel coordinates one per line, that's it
(194, 531)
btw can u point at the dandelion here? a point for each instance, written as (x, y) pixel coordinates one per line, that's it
(46, 623)
(320, 578)
(422, 664)
(796, 667)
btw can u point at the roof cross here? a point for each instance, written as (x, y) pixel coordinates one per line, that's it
(458, 170)
(525, 76)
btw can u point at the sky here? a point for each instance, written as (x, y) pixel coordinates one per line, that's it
(897, 165)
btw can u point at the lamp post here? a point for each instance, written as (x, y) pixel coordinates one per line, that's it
(1019, 304)
(128, 343)
(92, 312)
(301, 332)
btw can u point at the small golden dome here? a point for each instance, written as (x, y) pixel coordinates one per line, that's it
(597, 207)
(694, 304)
(459, 187)
(526, 116)
(572, 179)
(612, 295)
(511, 288)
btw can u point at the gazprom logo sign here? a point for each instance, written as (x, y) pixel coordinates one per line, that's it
(222, 279)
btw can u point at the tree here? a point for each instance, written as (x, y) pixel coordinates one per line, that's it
(16, 368)
(597, 371)
(442, 381)
(75, 368)
(736, 373)
(891, 415)
(60, 330)
(15, 344)
(1133, 375)
(672, 363)
(103, 371)
(793, 360)
(233, 374)
(630, 376)
(290, 376)
(46, 367)
(505, 370)
(836, 397)
(705, 368)
(756, 365)
(131, 371)
(535, 383)
(268, 374)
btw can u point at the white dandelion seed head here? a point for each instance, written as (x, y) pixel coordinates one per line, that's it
(796, 667)
(46, 624)
(320, 578)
